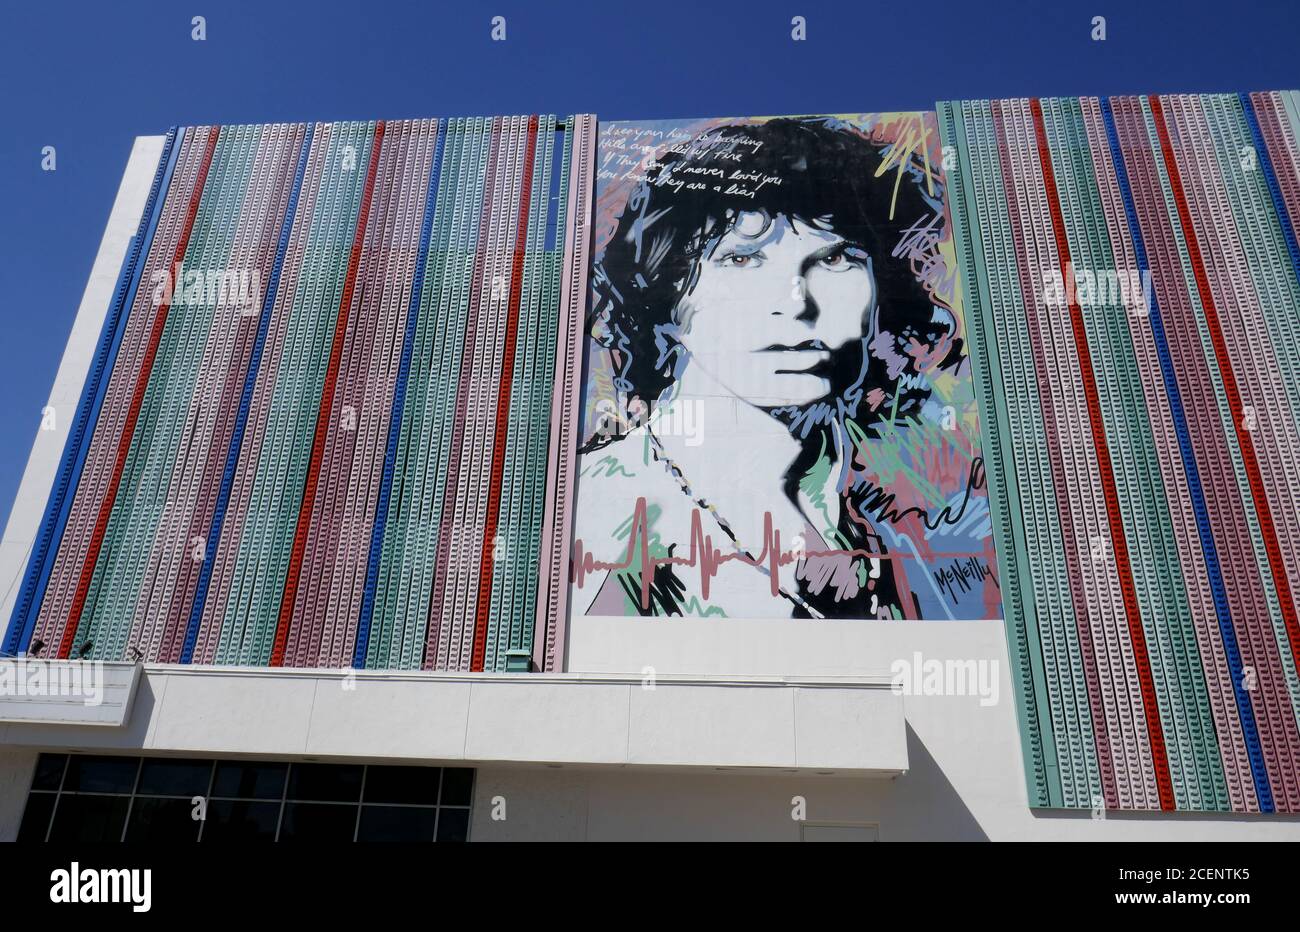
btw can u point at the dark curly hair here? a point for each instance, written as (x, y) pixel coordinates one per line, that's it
(832, 177)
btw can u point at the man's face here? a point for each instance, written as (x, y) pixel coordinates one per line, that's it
(774, 302)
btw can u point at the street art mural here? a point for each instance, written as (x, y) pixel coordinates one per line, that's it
(779, 418)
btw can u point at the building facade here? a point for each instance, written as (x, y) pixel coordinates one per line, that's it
(880, 476)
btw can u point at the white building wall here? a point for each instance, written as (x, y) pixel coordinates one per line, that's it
(923, 805)
(17, 765)
(965, 774)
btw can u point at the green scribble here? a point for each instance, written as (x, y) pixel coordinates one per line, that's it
(607, 466)
(891, 455)
(623, 533)
(629, 574)
(693, 606)
(813, 485)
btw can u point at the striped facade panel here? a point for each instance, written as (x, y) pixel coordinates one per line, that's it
(1134, 282)
(323, 425)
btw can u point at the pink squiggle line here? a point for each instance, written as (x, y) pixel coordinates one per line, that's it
(703, 554)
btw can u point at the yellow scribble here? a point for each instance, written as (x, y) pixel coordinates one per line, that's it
(911, 139)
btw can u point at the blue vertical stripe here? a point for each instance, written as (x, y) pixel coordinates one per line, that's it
(1212, 566)
(241, 419)
(399, 402)
(23, 621)
(1274, 190)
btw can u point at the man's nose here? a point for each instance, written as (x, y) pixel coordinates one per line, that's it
(799, 304)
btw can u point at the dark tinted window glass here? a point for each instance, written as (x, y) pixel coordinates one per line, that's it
(457, 786)
(453, 824)
(154, 819)
(326, 782)
(318, 822)
(235, 820)
(106, 798)
(249, 780)
(167, 777)
(49, 771)
(89, 818)
(36, 817)
(101, 774)
(417, 785)
(396, 823)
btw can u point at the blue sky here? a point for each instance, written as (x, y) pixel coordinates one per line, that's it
(88, 77)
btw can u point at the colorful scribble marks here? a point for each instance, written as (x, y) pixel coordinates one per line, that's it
(780, 415)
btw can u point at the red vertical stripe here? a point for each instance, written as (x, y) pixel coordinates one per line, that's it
(503, 409)
(325, 413)
(1043, 367)
(137, 400)
(1119, 541)
(1267, 528)
(436, 645)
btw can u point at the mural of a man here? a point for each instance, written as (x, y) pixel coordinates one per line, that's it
(779, 410)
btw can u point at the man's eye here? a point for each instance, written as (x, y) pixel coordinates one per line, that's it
(837, 260)
(841, 259)
(740, 260)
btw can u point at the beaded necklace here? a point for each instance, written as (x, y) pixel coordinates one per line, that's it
(661, 455)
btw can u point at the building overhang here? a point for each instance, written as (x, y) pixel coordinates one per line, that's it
(67, 692)
(826, 725)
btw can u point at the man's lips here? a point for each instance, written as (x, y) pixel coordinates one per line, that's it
(801, 358)
(793, 347)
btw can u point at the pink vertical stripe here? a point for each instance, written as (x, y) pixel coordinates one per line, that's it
(1074, 536)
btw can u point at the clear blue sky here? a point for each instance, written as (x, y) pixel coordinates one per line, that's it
(87, 78)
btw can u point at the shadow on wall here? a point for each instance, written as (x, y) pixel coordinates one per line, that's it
(923, 806)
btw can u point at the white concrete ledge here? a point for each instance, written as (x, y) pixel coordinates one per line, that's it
(67, 692)
(829, 724)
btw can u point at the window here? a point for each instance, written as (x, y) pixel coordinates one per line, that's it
(82, 797)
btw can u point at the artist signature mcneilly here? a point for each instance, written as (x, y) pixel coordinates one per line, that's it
(961, 576)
